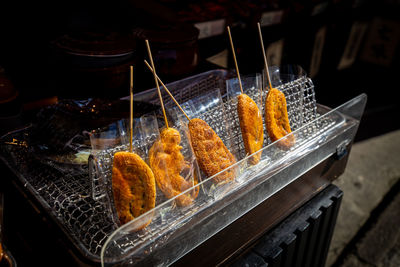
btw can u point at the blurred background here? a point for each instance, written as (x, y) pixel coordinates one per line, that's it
(81, 49)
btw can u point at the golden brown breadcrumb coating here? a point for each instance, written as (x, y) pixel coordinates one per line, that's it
(167, 163)
(251, 125)
(211, 153)
(133, 187)
(276, 118)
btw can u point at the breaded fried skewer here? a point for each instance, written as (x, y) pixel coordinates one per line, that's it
(133, 186)
(166, 159)
(133, 182)
(276, 115)
(211, 153)
(167, 163)
(250, 118)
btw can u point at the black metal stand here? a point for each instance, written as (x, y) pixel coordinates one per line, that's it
(302, 239)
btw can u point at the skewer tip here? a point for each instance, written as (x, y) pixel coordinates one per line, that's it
(169, 93)
(156, 81)
(264, 55)
(234, 59)
(131, 110)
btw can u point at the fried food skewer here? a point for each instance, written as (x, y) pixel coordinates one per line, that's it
(251, 126)
(168, 163)
(276, 115)
(211, 153)
(133, 181)
(250, 119)
(277, 119)
(133, 185)
(166, 159)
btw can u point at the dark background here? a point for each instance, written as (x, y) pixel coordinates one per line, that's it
(29, 29)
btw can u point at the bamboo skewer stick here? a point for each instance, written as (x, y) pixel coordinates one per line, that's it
(156, 80)
(169, 93)
(234, 58)
(265, 57)
(131, 109)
